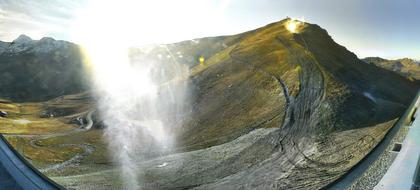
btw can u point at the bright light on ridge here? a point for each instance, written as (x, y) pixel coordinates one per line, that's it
(293, 25)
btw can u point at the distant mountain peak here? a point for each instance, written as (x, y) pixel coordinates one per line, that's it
(405, 67)
(22, 39)
(404, 60)
(374, 58)
(47, 39)
(24, 43)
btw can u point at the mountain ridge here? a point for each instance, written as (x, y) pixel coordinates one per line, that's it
(406, 67)
(38, 70)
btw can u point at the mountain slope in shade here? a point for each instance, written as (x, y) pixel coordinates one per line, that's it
(270, 110)
(37, 70)
(404, 67)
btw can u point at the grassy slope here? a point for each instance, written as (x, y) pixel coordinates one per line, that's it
(24, 123)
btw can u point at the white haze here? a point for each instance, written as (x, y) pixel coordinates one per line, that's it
(141, 101)
(140, 112)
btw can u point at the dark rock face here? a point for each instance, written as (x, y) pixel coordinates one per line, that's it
(33, 70)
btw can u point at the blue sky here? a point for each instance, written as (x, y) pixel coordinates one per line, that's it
(385, 28)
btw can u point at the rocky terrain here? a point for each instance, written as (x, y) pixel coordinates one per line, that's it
(405, 67)
(271, 109)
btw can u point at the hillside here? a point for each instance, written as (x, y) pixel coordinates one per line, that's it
(38, 70)
(404, 67)
(270, 109)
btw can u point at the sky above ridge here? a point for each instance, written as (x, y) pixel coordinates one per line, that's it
(384, 28)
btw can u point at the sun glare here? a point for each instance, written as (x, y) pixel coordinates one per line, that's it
(144, 22)
(293, 25)
(134, 106)
(106, 29)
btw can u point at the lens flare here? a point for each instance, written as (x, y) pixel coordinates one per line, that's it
(293, 25)
(139, 106)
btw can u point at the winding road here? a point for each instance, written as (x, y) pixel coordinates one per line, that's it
(87, 149)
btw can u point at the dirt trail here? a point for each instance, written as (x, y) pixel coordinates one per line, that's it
(289, 145)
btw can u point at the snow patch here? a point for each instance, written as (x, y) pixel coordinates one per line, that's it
(370, 96)
(162, 165)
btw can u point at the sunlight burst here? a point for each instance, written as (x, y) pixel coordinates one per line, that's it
(293, 25)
